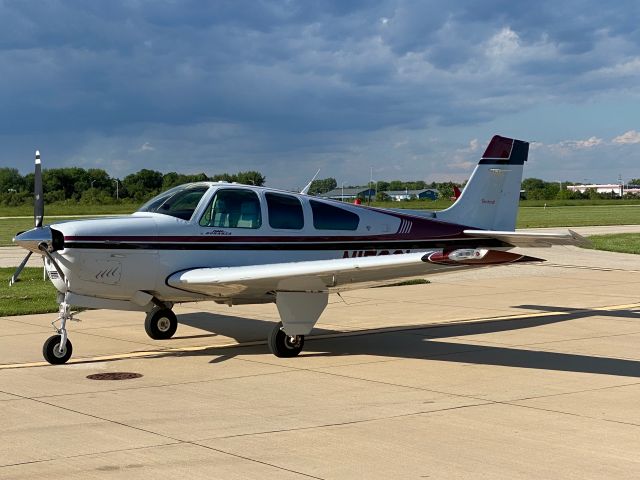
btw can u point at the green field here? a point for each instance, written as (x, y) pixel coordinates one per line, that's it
(31, 294)
(10, 226)
(532, 213)
(619, 242)
(578, 216)
(71, 208)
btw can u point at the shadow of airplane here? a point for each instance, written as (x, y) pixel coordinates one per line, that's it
(423, 342)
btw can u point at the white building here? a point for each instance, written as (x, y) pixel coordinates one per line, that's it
(611, 188)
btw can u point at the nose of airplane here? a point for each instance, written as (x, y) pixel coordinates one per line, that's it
(32, 239)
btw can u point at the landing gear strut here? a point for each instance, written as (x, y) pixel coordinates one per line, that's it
(58, 349)
(161, 323)
(283, 345)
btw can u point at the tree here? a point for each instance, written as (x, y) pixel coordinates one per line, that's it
(396, 185)
(142, 184)
(381, 196)
(251, 178)
(323, 185)
(10, 180)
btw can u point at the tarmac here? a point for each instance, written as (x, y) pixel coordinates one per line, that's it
(518, 372)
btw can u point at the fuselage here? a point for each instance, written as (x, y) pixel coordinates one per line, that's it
(226, 225)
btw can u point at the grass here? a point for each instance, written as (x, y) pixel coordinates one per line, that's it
(619, 242)
(31, 294)
(61, 208)
(609, 213)
(413, 281)
(9, 227)
(577, 216)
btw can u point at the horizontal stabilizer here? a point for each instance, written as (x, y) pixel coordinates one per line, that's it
(531, 239)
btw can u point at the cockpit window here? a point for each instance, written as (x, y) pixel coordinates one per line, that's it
(233, 208)
(179, 202)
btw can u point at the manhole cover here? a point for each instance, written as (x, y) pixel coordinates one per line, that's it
(114, 376)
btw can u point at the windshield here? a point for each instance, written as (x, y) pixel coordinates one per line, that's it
(179, 202)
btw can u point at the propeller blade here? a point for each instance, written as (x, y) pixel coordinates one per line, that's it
(14, 277)
(38, 204)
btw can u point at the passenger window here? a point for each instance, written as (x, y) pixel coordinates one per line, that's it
(328, 217)
(285, 211)
(232, 208)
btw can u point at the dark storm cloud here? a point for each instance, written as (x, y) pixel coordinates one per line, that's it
(287, 73)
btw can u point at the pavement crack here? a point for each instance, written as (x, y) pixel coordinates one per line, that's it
(253, 460)
(350, 422)
(572, 414)
(80, 455)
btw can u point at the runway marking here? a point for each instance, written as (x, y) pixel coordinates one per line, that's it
(199, 348)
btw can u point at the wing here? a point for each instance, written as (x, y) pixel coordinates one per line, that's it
(257, 281)
(529, 239)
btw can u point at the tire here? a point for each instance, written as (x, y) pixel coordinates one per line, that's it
(280, 343)
(51, 353)
(161, 324)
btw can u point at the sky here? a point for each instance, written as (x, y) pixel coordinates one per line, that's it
(403, 89)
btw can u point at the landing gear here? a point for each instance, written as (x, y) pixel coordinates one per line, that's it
(283, 345)
(161, 323)
(58, 349)
(54, 353)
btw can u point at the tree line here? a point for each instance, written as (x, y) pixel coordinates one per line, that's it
(537, 189)
(96, 186)
(445, 189)
(534, 188)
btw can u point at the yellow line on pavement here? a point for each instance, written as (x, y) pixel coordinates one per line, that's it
(198, 348)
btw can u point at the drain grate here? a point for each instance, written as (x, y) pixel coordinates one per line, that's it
(114, 376)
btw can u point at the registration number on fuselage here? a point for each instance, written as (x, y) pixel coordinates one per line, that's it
(371, 253)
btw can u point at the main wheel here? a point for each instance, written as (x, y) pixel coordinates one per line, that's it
(282, 345)
(52, 353)
(161, 324)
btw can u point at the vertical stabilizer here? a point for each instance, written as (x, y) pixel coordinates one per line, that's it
(490, 199)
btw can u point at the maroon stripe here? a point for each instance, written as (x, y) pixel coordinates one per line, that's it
(254, 239)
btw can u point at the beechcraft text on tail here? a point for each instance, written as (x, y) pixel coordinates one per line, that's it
(239, 244)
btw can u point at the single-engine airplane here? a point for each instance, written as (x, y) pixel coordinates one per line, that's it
(240, 244)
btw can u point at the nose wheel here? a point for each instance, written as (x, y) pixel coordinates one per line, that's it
(55, 353)
(283, 345)
(161, 323)
(57, 349)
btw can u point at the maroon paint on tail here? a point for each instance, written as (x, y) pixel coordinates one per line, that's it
(499, 147)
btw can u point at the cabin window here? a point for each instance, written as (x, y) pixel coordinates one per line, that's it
(285, 211)
(328, 217)
(179, 202)
(233, 208)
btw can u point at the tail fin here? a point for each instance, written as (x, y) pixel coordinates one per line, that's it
(456, 193)
(489, 201)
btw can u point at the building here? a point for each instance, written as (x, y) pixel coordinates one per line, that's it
(349, 194)
(606, 188)
(424, 194)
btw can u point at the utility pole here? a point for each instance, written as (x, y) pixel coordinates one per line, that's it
(117, 191)
(370, 182)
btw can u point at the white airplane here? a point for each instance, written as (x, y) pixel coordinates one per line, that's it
(239, 244)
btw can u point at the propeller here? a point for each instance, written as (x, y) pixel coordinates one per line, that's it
(38, 213)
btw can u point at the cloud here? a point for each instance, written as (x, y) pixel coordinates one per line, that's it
(145, 147)
(578, 144)
(240, 84)
(628, 137)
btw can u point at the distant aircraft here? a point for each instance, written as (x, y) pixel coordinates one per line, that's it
(456, 193)
(239, 244)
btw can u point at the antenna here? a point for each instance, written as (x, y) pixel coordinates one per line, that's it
(306, 189)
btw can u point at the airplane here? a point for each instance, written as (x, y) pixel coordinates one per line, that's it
(239, 244)
(456, 193)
